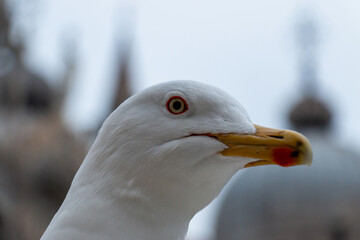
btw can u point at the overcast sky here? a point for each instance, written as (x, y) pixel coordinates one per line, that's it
(247, 48)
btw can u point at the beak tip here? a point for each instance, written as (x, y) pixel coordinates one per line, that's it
(309, 162)
(308, 149)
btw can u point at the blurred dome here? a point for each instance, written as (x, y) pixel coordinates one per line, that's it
(310, 112)
(321, 202)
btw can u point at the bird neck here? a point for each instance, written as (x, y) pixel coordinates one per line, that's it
(107, 211)
(144, 216)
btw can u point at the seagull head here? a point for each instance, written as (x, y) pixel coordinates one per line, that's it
(163, 155)
(178, 143)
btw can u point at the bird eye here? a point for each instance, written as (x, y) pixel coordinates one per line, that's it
(177, 105)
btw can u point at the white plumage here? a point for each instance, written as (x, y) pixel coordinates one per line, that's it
(149, 170)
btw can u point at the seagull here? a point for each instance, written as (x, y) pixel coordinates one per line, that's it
(162, 156)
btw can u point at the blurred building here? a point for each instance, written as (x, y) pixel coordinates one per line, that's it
(39, 154)
(321, 202)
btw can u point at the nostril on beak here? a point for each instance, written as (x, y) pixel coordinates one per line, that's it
(276, 136)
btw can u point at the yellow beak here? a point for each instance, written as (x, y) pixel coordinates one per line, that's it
(270, 146)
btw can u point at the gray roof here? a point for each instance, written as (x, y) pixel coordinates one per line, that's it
(317, 202)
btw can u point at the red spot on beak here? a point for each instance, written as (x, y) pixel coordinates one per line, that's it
(285, 157)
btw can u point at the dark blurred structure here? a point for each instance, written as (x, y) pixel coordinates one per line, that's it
(39, 155)
(123, 86)
(321, 202)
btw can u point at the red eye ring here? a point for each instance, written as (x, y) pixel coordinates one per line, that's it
(177, 105)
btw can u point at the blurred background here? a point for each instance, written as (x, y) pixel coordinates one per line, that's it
(65, 65)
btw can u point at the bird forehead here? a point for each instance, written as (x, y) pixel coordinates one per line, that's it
(204, 102)
(195, 93)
